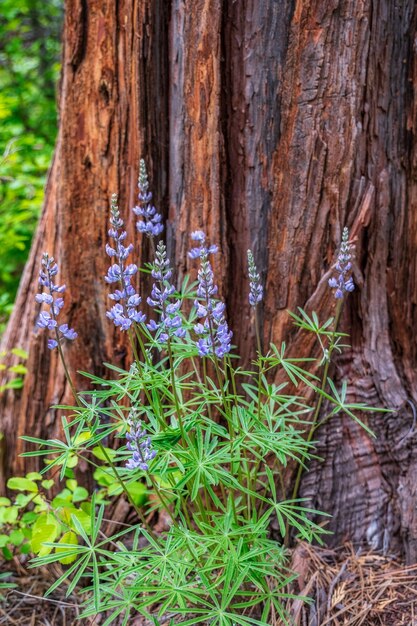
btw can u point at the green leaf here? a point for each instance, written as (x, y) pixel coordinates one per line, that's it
(80, 493)
(29, 517)
(22, 484)
(7, 554)
(10, 515)
(138, 491)
(72, 461)
(22, 499)
(20, 353)
(45, 533)
(16, 537)
(47, 484)
(34, 476)
(83, 519)
(18, 369)
(68, 538)
(98, 453)
(45, 529)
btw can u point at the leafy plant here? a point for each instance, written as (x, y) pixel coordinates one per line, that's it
(11, 376)
(34, 516)
(208, 441)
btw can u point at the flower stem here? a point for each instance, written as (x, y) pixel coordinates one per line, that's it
(314, 422)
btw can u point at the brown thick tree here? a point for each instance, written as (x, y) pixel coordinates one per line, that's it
(271, 125)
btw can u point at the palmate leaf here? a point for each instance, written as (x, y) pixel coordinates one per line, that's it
(218, 617)
(290, 365)
(312, 324)
(298, 517)
(205, 463)
(340, 404)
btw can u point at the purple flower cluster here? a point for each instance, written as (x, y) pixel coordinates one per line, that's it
(151, 222)
(125, 311)
(47, 319)
(170, 322)
(141, 447)
(215, 336)
(343, 283)
(256, 291)
(201, 250)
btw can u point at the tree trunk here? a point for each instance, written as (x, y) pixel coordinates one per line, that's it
(270, 125)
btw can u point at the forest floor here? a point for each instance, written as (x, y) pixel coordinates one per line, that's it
(346, 587)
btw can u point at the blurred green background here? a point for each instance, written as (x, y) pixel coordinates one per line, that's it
(30, 51)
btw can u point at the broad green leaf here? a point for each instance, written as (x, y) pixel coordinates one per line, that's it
(16, 537)
(80, 493)
(34, 476)
(98, 453)
(22, 484)
(68, 538)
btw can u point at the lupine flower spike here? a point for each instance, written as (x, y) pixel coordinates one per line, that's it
(126, 311)
(170, 322)
(343, 283)
(151, 222)
(48, 319)
(215, 336)
(140, 445)
(256, 291)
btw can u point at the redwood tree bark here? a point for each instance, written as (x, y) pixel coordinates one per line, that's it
(270, 125)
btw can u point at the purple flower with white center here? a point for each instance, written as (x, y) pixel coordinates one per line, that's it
(125, 312)
(151, 222)
(140, 445)
(256, 291)
(47, 319)
(214, 334)
(343, 283)
(170, 323)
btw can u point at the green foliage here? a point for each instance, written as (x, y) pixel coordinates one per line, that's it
(11, 376)
(223, 439)
(34, 519)
(29, 68)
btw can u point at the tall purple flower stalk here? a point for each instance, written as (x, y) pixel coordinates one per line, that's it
(255, 288)
(140, 445)
(125, 311)
(151, 222)
(343, 283)
(170, 323)
(48, 319)
(215, 336)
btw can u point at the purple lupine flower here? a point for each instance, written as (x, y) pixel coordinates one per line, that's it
(170, 323)
(126, 311)
(343, 283)
(151, 222)
(256, 290)
(140, 445)
(201, 250)
(47, 319)
(214, 334)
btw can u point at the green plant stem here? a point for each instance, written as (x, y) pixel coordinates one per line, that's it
(158, 413)
(316, 414)
(175, 394)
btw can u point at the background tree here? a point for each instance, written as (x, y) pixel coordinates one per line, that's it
(271, 125)
(30, 32)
